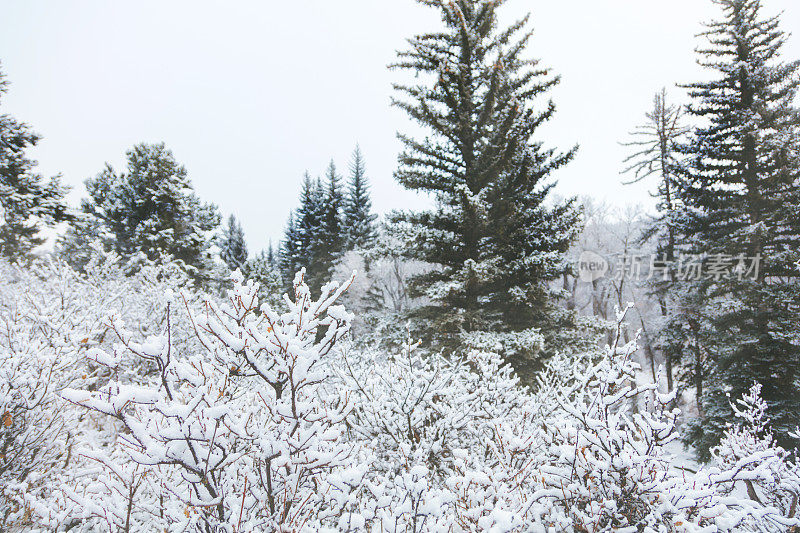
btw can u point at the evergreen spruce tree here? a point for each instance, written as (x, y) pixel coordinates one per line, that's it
(305, 243)
(289, 252)
(496, 236)
(271, 287)
(152, 209)
(359, 221)
(740, 189)
(233, 248)
(331, 236)
(28, 202)
(271, 260)
(310, 218)
(314, 237)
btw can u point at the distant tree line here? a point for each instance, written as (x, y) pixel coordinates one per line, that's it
(150, 212)
(330, 221)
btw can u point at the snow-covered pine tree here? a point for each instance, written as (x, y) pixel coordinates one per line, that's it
(27, 202)
(271, 259)
(496, 234)
(77, 246)
(309, 221)
(288, 251)
(655, 153)
(233, 248)
(359, 221)
(740, 188)
(331, 236)
(153, 209)
(94, 226)
(260, 268)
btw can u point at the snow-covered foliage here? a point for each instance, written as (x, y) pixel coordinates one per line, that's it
(236, 434)
(50, 316)
(749, 455)
(132, 403)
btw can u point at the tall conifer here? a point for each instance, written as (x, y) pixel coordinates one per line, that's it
(495, 234)
(359, 221)
(289, 252)
(331, 234)
(233, 248)
(740, 189)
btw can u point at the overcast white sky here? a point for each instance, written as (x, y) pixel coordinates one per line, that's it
(249, 95)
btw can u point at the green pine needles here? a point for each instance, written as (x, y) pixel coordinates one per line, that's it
(739, 186)
(495, 234)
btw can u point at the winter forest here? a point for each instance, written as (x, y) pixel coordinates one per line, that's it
(506, 360)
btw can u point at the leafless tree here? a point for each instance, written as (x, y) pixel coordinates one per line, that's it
(655, 152)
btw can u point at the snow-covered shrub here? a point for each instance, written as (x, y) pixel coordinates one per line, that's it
(48, 315)
(418, 413)
(426, 405)
(110, 492)
(404, 405)
(199, 414)
(595, 459)
(606, 459)
(408, 499)
(748, 455)
(571, 457)
(36, 354)
(237, 435)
